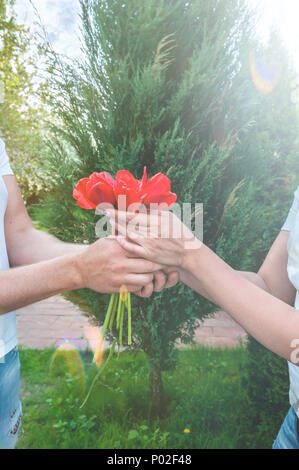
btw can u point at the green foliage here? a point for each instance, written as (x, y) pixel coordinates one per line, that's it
(205, 390)
(267, 384)
(167, 84)
(21, 113)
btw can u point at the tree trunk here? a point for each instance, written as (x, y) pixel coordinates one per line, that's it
(156, 393)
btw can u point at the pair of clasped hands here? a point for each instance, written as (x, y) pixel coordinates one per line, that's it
(145, 254)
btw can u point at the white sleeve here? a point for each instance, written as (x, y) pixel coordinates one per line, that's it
(290, 220)
(5, 168)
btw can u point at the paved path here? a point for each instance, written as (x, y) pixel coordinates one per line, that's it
(55, 321)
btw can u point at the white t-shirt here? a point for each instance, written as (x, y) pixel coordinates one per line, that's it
(292, 225)
(8, 322)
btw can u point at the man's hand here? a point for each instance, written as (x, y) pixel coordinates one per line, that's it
(164, 279)
(44, 266)
(105, 267)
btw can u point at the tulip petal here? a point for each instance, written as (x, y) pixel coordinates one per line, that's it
(142, 182)
(103, 176)
(125, 178)
(168, 198)
(158, 184)
(85, 204)
(80, 195)
(100, 192)
(127, 185)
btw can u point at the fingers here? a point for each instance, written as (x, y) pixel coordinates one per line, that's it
(133, 290)
(132, 248)
(132, 218)
(121, 216)
(138, 279)
(160, 280)
(141, 266)
(146, 291)
(130, 233)
(173, 279)
(164, 281)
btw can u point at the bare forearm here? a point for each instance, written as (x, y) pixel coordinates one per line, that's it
(256, 279)
(25, 285)
(187, 278)
(271, 321)
(34, 246)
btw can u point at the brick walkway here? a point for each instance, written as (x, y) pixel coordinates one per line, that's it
(55, 321)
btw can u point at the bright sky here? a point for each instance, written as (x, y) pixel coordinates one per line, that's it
(60, 18)
(284, 14)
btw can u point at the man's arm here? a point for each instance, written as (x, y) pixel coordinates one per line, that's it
(43, 266)
(29, 246)
(25, 244)
(25, 285)
(103, 267)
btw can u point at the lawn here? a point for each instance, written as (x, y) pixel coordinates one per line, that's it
(207, 404)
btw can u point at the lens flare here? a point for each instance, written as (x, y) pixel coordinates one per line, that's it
(96, 342)
(67, 353)
(265, 73)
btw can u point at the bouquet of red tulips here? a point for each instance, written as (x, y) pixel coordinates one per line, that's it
(126, 193)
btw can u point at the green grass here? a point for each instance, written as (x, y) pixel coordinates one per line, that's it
(204, 394)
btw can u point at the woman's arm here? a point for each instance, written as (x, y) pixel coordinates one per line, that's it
(269, 319)
(189, 280)
(271, 277)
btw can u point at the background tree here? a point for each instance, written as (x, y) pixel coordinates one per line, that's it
(168, 84)
(21, 112)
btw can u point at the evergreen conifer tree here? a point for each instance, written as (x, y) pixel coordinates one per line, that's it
(167, 84)
(21, 114)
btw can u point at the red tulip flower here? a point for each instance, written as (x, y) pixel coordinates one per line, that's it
(127, 185)
(102, 188)
(156, 190)
(92, 191)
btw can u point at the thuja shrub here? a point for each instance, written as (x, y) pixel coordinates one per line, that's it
(167, 85)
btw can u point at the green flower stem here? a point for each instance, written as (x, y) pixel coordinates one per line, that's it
(129, 319)
(114, 308)
(100, 371)
(108, 314)
(118, 305)
(121, 323)
(118, 311)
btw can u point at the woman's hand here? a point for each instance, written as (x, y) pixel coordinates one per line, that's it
(160, 237)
